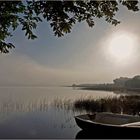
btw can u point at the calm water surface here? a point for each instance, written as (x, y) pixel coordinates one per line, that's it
(41, 112)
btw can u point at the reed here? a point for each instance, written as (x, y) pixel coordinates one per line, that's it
(121, 104)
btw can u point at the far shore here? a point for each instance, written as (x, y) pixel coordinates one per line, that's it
(112, 89)
(106, 88)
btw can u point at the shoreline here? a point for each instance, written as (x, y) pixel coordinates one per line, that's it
(114, 89)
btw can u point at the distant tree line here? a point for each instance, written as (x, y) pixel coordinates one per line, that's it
(128, 82)
(120, 84)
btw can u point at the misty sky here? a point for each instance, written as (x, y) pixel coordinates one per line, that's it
(83, 56)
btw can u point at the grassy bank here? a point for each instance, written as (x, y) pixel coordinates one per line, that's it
(121, 104)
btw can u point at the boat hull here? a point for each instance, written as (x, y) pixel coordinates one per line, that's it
(97, 130)
(84, 125)
(107, 121)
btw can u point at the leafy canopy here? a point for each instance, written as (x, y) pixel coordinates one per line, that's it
(61, 15)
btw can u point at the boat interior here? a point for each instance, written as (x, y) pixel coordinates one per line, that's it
(111, 118)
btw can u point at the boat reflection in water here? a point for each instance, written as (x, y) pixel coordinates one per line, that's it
(107, 134)
(108, 125)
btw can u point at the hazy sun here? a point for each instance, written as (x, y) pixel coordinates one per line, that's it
(121, 46)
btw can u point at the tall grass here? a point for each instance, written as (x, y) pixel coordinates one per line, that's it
(121, 104)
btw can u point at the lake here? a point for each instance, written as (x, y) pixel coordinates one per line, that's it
(41, 112)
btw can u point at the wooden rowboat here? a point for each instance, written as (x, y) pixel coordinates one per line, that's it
(107, 120)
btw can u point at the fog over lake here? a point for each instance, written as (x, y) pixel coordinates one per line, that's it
(41, 112)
